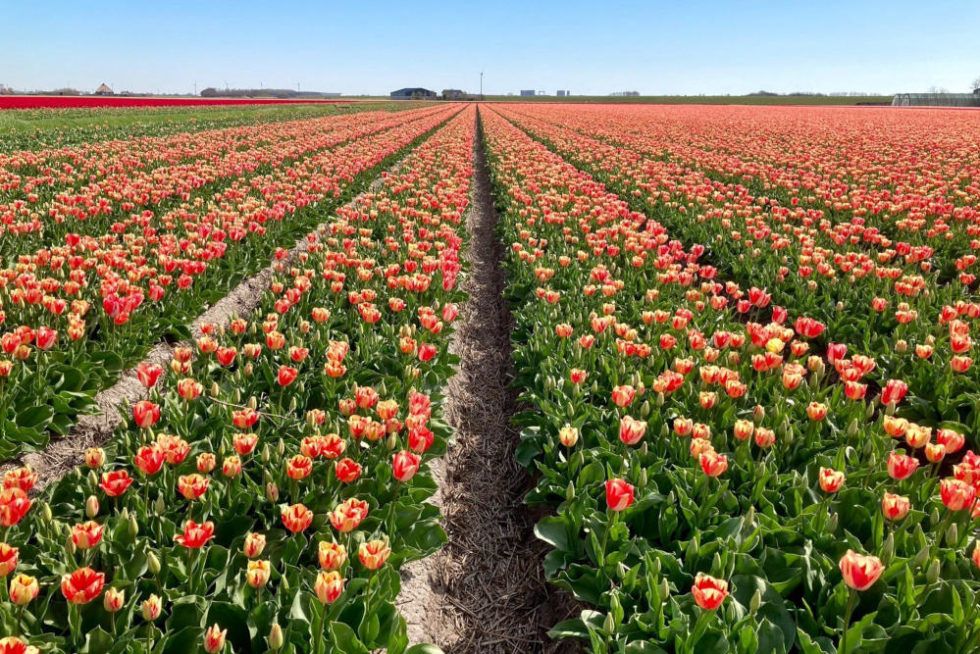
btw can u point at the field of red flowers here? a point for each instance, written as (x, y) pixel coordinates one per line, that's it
(742, 343)
(91, 101)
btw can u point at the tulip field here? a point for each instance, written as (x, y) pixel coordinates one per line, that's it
(741, 349)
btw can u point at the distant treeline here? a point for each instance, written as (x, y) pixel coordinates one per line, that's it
(212, 92)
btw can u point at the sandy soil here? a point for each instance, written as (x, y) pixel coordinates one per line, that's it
(485, 591)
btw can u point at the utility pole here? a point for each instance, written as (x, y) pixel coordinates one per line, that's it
(481, 84)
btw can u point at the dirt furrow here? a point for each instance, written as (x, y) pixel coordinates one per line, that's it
(485, 591)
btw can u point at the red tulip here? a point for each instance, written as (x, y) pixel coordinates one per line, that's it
(146, 414)
(709, 592)
(404, 465)
(619, 494)
(860, 572)
(116, 482)
(296, 518)
(195, 536)
(82, 586)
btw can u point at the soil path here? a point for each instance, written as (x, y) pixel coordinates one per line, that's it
(485, 591)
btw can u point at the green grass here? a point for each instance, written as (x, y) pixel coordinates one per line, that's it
(35, 129)
(705, 99)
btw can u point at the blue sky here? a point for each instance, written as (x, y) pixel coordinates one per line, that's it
(655, 47)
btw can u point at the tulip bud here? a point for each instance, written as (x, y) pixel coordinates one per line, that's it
(755, 602)
(93, 479)
(92, 506)
(920, 558)
(660, 399)
(276, 638)
(952, 534)
(153, 564)
(716, 563)
(266, 453)
(609, 625)
(901, 346)
(272, 492)
(758, 413)
(832, 523)
(888, 549)
(645, 409)
(160, 505)
(215, 389)
(134, 527)
(392, 442)
(570, 492)
(281, 447)
(643, 478)
(46, 514)
(932, 574)
(664, 588)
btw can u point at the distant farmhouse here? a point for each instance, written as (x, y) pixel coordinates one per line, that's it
(454, 94)
(413, 93)
(527, 94)
(104, 90)
(564, 93)
(937, 99)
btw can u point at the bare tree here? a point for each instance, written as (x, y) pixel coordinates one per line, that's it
(976, 84)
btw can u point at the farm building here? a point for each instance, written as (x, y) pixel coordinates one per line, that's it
(104, 90)
(453, 94)
(937, 99)
(527, 93)
(413, 93)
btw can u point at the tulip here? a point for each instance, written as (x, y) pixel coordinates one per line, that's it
(631, 430)
(709, 592)
(347, 470)
(9, 557)
(830, 480)
(257, 573)
(348, 515)
(622, 396)
(299, 467)
(22, 478)
(254, 545)
(113, 600)
(195, 536)
(214, 639)
(331, 555)
(568, 436)
(373, 554)
(296, 518)
(956, 494)
(14, 645)
(151, 608)
(148, 374)
(619, 495)
(23, 590)
(712, 463)
(859, 571)
(146, 414)
(149, 459)
(328, 586)
(82, 586)
(95, 457)
(86, 535)
(901, 466)
(192, 486)
(894, 507)
(404, 465)
(816, 411)
(286, 375)
(14, 505)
